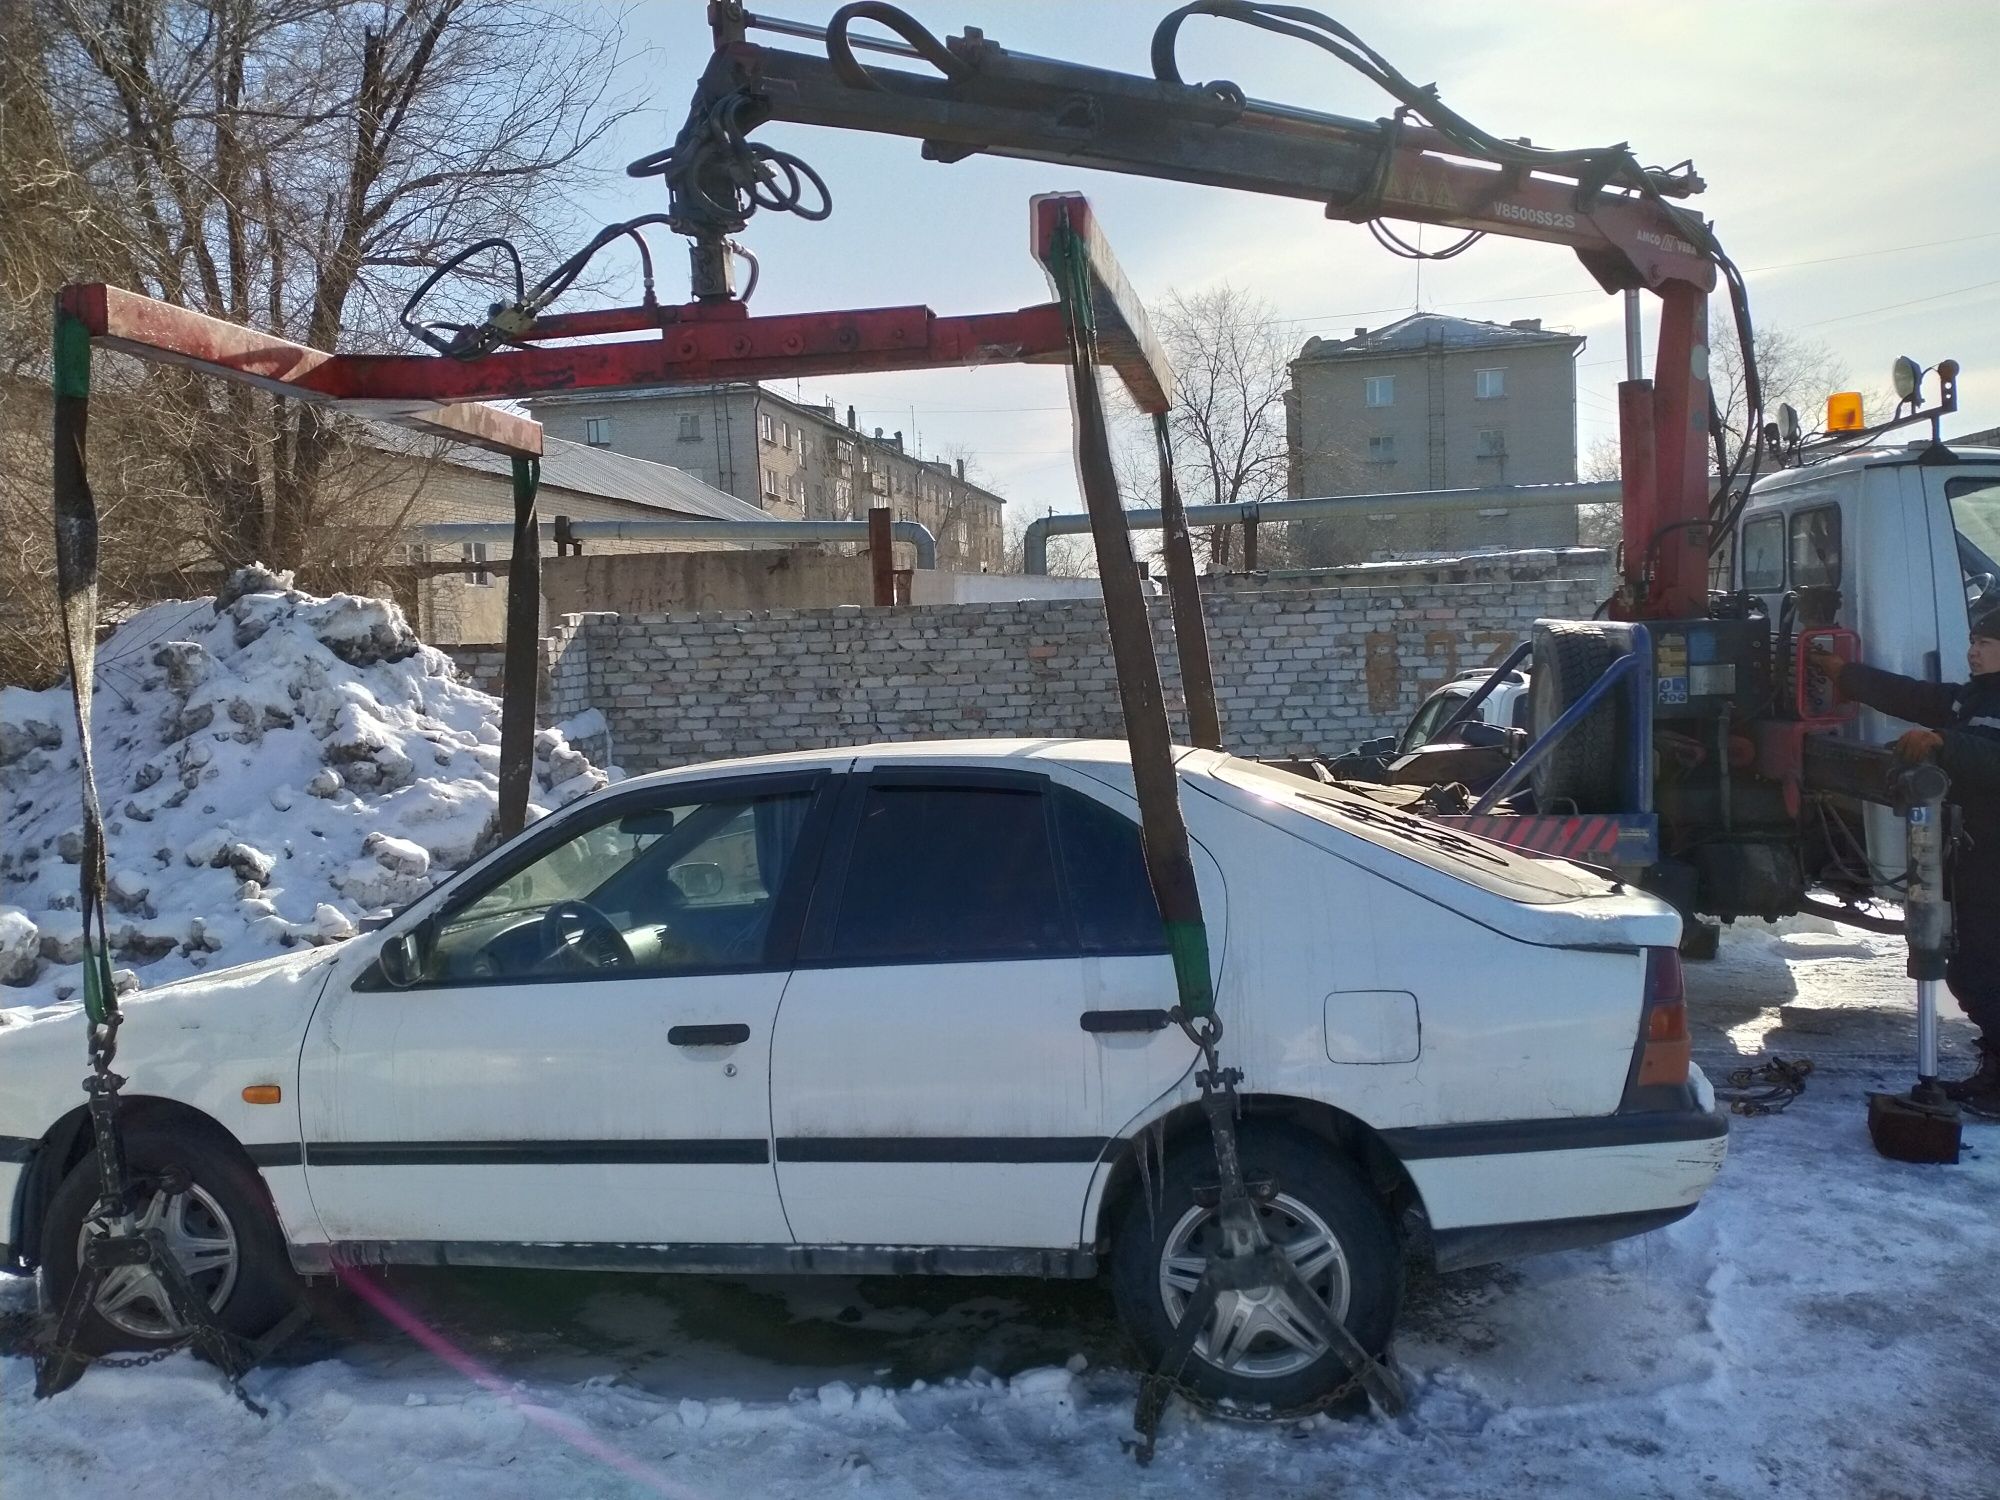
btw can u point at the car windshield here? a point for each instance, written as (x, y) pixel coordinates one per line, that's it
(1975, 517)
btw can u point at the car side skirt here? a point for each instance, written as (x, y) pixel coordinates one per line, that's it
(1485, 1244)
(704, 1260)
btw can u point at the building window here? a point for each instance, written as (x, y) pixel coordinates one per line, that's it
(785, 435)
(1489, 385)
(597, 431)
(1382, 450)
(771, 483)
(798, 489)
(690, 427)
(1492, 443)
(1380, 390)
(475, 577)
(767, 427)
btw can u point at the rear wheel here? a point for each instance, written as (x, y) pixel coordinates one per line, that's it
(216, 1219)
(1582, 771)
(1259, 1349)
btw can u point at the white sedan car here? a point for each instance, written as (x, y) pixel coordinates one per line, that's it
(903, 1008)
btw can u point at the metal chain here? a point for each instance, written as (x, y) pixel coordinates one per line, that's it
(1768, 1088)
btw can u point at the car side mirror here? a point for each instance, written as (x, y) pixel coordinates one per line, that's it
(698, 881)
(404, 955)
(1481, 735)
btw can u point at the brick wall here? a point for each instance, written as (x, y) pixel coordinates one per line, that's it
(1298, 671)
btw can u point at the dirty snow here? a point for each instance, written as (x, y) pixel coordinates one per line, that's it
(1822, 1326)
(272, 767)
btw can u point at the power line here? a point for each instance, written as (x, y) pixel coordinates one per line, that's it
(1892, 306)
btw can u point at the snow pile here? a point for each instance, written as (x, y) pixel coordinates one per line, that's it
(272, 768)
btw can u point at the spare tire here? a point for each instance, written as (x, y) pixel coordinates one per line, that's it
(1583, 771)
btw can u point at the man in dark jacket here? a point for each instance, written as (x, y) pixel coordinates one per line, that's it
(1962, 734)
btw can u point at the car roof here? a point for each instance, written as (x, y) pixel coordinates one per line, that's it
(1077, 752)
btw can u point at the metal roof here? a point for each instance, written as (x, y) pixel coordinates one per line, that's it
(585, 470)
(1430, 330)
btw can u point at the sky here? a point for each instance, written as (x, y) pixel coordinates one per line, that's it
(1847, 175)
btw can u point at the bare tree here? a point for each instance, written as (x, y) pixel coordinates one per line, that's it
(1600, 525)
(1790, 368)
(298, 165)
(1231, 372)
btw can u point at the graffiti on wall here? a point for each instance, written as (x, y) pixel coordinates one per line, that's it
(1444, 655)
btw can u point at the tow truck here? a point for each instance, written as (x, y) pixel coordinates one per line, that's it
(1681, 741)
(1711, 717)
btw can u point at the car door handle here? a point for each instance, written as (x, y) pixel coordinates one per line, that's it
(1126, 1020)
(726, 1035)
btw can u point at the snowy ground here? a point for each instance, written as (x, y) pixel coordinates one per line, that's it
(1824, 1326)
(272, 766)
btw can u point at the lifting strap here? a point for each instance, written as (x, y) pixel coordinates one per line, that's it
(1241, 1256)
(1169, 864)
(120, 1244)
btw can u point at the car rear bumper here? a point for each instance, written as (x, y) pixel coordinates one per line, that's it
(1484, 1244)
(1516, 1187)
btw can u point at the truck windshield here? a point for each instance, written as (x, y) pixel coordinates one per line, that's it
(1975, 516)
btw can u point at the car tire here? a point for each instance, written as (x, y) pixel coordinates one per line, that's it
(222, 1227)
(1582, 771)
(1315, 1191)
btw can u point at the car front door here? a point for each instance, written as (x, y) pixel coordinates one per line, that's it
(978, 1009)
(583, 1055)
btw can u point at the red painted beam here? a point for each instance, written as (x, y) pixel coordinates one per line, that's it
(694, 353)
(608, 320)
(1679, 542)
(165, 334)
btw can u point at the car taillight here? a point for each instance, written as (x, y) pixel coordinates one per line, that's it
(1666, 1049)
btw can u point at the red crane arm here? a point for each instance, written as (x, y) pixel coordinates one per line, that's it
(980, 98)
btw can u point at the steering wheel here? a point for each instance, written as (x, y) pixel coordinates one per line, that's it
(1978, 586)
(577, 930)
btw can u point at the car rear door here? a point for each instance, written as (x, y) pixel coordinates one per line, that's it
(978, 1008)
(517, 1093)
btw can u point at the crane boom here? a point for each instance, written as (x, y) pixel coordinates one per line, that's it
(1422, 164)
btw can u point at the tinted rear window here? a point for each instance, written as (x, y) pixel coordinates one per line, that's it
(1104, 861)
(946, 873)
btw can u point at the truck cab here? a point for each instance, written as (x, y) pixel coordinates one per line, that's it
(1908, 536)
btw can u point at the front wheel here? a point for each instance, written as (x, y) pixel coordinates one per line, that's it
(216, 1219)
(1259, 1349)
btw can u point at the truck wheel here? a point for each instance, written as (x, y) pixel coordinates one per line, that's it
(1583, 771)
(220, 1228)
(1257, 1350)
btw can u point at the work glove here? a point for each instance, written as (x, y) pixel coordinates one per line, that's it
(1918, 744)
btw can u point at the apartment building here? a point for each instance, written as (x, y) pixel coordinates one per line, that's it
(1434, 402)
(790, 459)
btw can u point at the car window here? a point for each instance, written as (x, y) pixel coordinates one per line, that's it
(1764, 554)
(1434, 712)
(1815, 549)
(1104, 865)
(941, 873)
(1975, 519)
(648, 888)
(1522, 714)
